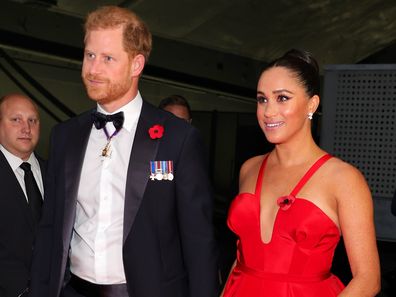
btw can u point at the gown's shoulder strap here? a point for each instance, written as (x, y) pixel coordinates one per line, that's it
(259, 181)
(309, 173)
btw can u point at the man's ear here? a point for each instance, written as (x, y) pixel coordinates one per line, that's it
(138, 65)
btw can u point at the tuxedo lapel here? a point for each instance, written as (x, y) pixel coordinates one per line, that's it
(74, 158)
(8, 177)
(144, 150)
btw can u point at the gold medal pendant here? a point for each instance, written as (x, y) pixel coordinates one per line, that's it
(106, 152)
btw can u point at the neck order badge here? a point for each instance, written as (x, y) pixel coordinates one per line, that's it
(100, 120)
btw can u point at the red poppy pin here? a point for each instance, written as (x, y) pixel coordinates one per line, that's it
(285, 202)
(156, 131)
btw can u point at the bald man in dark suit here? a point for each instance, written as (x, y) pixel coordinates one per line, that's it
(19, 134)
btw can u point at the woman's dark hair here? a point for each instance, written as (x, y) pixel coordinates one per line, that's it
(303, 65)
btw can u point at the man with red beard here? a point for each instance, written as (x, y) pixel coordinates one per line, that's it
(129, 202)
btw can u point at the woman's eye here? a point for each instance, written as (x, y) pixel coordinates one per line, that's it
(283, 98)
(108, 59)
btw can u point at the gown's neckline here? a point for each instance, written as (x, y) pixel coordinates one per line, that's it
(293, 193)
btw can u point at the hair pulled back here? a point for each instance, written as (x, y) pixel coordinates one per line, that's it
(303, 65)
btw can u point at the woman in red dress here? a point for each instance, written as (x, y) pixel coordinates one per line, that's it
(295, 202)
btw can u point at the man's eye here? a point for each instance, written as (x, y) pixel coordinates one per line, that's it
(261, 99)
(108, 59)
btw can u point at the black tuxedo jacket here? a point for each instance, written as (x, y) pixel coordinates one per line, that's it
(169, 248)
(16, 232)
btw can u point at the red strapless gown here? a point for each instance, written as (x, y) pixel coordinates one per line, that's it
(297, 260)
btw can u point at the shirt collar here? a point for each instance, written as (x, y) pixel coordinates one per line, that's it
(15, 161)
(131, 111)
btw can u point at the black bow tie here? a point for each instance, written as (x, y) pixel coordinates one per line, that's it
(100, 119)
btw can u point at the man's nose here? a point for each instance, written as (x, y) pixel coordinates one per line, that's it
(26, 126)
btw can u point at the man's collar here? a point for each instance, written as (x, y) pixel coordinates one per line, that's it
(15, 161)
(131, 111)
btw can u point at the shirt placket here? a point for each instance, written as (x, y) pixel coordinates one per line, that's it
(104, 216)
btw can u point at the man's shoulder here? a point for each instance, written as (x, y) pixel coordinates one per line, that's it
(40, 160)
(6, 174)
(164, 118)
(81, 119)
(3, 161)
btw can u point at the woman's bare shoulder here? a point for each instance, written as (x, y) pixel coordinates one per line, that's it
(344, 177)
(249, 169)
(252, 164)
(340, 169)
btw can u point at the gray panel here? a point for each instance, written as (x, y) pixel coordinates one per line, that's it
(359, 126)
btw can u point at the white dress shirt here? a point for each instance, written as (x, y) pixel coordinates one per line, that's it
(15, 162)
(96, 245)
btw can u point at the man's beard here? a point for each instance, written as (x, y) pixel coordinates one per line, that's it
(108, 91)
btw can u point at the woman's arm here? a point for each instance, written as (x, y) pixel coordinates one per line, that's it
(355, 212)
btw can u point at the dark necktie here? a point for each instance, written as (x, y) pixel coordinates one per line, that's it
(32, 191)
(100, 119)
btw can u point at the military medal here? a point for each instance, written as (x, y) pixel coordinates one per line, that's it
(100, 121)
(158, 171)
(161, 170)
(164, 165)
(152, 170)
(170, 170)
(106, 152)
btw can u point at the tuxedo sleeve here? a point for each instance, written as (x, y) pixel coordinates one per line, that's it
(195, 214)
(44, 243)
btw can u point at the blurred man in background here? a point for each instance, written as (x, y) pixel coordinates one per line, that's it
(178, 105)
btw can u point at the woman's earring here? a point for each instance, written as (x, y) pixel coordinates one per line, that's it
(310, 114)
